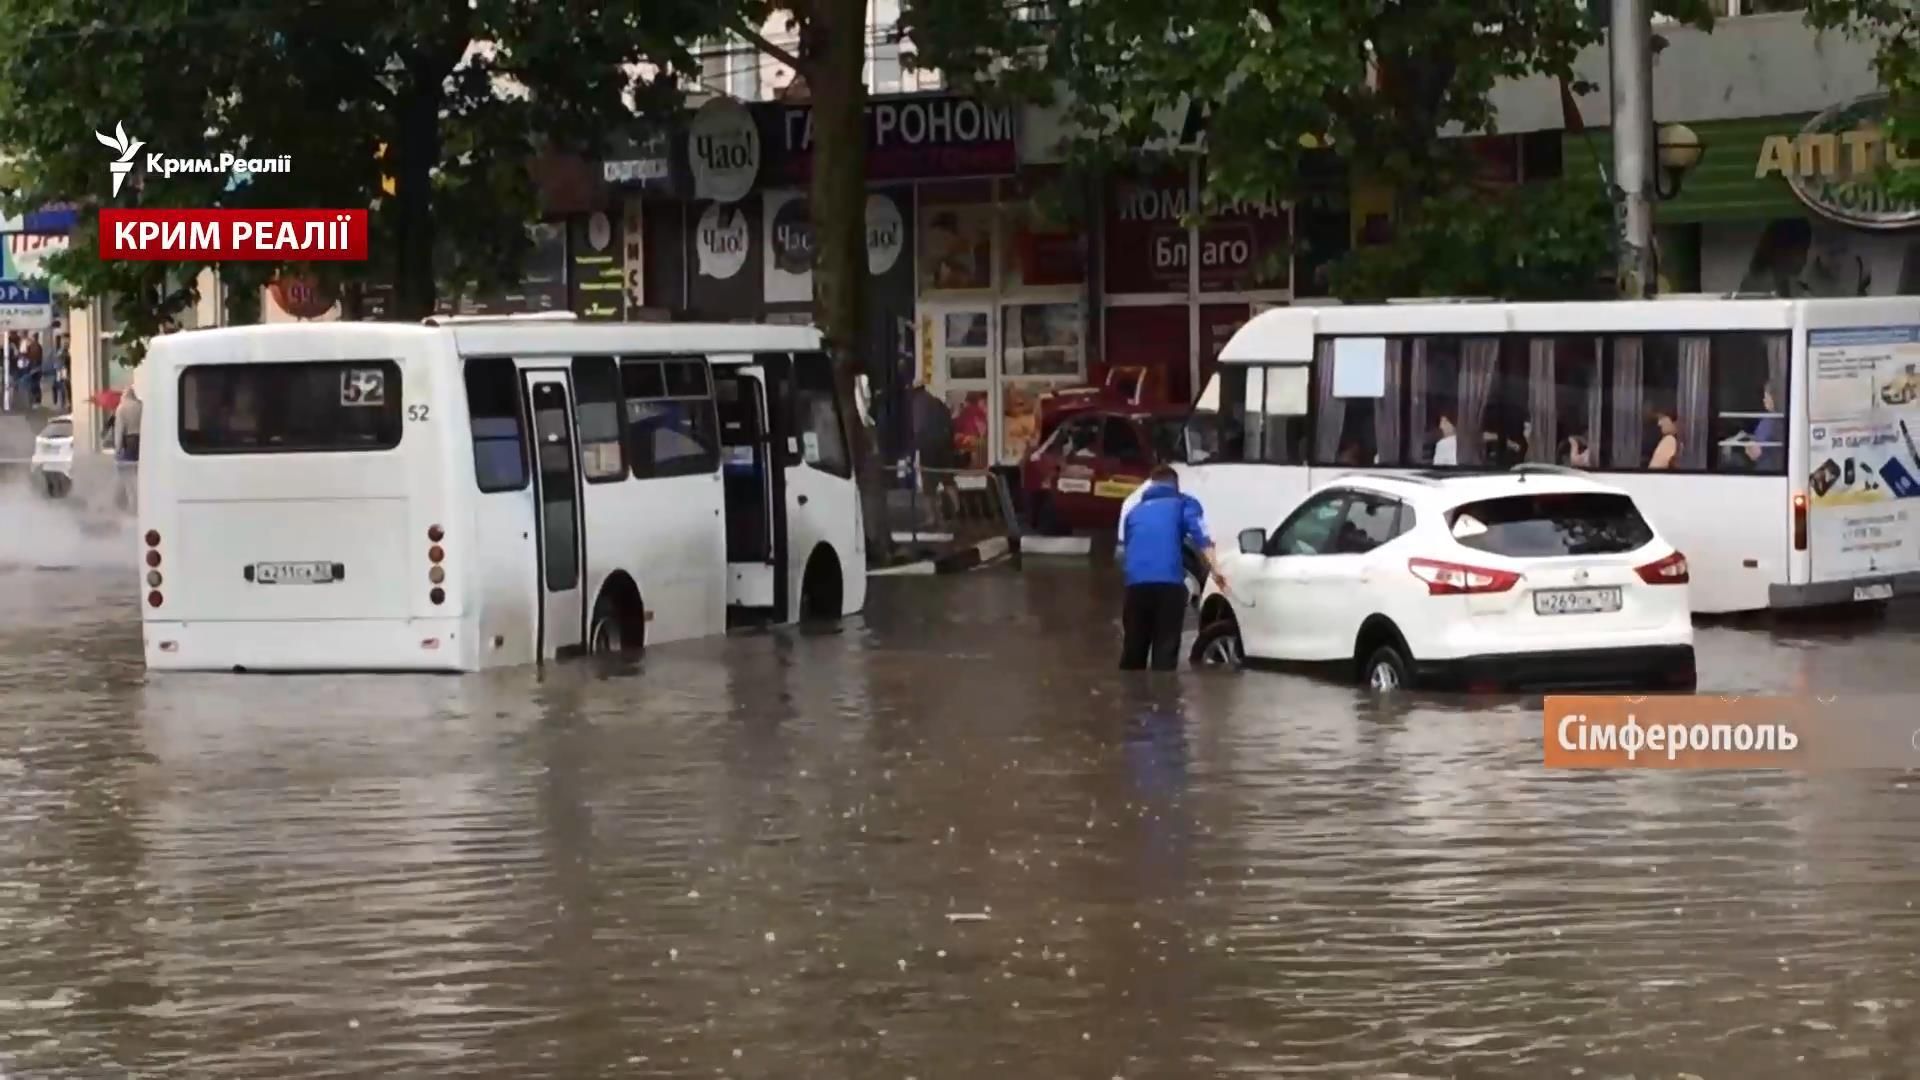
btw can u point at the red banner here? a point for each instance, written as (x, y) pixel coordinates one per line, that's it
(234, 235)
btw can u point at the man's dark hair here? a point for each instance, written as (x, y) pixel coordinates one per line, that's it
(1164, 474)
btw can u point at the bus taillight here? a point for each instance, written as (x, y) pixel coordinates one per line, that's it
(1799, 521)
(436, 534)
(154, 599)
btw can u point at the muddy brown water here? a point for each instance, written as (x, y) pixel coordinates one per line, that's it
(946, 840)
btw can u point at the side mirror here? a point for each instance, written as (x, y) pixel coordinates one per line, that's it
(1253, 541)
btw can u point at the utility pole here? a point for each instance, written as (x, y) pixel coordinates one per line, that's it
(1630, 48)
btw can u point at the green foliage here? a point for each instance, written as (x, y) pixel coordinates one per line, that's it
(1281, 83)
(1894, 27)
(1541, 241)
(328, 84)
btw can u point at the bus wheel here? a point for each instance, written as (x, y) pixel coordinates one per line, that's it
(821, 593)
(616, 625)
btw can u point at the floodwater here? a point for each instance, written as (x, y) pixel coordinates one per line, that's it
(946, 841)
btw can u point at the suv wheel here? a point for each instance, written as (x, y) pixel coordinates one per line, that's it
(1218, 646)
(1386, 671)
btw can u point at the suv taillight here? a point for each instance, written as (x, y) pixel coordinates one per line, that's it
(1458, 579)
(1671, 570)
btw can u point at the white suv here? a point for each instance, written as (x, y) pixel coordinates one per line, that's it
(52, 464)
(1537, 578)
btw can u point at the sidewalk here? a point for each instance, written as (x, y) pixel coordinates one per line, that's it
(17, 430)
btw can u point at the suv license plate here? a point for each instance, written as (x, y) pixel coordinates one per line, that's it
(1575, 601)
(1881, 591)
(293, 573)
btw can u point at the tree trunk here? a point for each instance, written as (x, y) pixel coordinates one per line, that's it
(833, 46)
(418, 149)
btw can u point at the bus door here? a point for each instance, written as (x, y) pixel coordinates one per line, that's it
(755, 493)
(560, 546)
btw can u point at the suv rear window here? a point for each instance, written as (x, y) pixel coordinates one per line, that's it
(1547, 526)
(286, 408)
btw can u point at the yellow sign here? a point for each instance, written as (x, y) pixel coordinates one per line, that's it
(1118, 488)
(926, 351)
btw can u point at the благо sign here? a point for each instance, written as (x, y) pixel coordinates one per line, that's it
(1833, 166)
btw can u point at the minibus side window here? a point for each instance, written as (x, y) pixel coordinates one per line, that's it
(597, 408)
(493, 410)
(672, 429)
(816, 414)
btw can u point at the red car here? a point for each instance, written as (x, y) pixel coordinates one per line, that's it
(1092, 459)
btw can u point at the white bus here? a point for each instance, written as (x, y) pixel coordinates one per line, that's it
(467, 494)
(1775, 442)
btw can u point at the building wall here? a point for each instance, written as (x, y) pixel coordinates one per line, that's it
(1748, 66)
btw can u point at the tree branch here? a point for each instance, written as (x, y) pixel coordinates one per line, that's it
(759, 41)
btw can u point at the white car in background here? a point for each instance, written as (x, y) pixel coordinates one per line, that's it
(51, 466)
(1533, 579)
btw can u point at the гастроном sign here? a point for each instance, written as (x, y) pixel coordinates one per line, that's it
(1834, 166)
(915, 137)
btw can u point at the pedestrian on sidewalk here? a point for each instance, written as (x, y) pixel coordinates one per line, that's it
(53, 373)
(31, 359)
(1155, 533)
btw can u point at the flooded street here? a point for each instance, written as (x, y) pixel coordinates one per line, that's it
(946, 841)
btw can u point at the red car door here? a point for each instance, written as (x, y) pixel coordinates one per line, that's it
(1125, 462)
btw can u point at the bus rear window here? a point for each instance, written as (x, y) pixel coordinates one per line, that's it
(1550, 526)
(287, 408)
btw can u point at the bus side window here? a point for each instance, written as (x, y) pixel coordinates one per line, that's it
(493, 410)
(597, 406)
(671, 426)
(816, 412)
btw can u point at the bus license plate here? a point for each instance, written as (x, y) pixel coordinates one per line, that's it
(1575, 601)
(293, 573)
(1881, 591)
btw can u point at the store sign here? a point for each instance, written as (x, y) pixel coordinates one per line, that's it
(911, 138)
(723, 148)
(791, 247)
(302, 296)
(598, 283)
(1150, 248)
(1834, 166)
(646, 165)
(634, 242)
(720, 241)
(26, 254)
(886, 234)
(25, 306)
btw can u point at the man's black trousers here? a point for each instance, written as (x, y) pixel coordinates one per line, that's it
(1151, 620)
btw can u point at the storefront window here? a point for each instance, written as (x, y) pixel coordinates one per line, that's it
(1041, 350)
(956, 238)
(1040, 246)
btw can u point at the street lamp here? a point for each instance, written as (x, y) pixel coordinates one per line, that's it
(1678, 151)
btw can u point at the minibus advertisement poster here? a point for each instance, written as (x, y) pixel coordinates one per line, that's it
(1864, 451)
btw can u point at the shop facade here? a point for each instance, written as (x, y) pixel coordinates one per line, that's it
(1785, 205)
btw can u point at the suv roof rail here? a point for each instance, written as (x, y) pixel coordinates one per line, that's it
(520, 317)
(1411, 478)
(1734, 295)
(1543, 467)
(1442, 300)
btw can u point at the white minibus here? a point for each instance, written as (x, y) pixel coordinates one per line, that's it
(472, 493)
(1775, 442)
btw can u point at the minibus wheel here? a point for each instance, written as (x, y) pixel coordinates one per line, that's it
(617, 624)
(822, 594)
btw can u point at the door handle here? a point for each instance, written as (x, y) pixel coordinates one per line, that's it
(803, 500)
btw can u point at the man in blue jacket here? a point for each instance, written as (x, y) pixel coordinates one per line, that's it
(1154, 532)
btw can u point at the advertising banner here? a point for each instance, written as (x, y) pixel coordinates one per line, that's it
(1863, 514)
